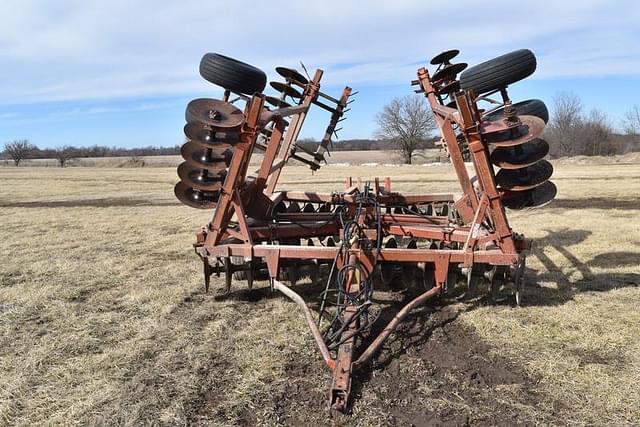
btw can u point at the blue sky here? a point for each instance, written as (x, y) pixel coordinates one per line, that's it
(120, 73)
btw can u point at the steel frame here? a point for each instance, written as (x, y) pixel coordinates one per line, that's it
(247, 211)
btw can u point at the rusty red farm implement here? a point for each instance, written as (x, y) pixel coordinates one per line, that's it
(431, 240)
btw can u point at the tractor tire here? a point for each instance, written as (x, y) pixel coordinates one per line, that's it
(499, 72)
(530, 107)
(232, 74)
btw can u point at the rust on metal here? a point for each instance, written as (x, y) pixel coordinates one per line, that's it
(215, 113)
(429, 237)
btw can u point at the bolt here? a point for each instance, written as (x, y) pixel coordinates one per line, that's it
(215, 115)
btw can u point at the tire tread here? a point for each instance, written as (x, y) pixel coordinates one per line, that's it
(499, 72)
(232, 74)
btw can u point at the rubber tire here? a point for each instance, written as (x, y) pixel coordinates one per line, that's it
(530, 107)
(499, 72)
(232, 74)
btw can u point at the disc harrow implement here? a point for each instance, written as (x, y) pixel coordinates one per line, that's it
(520, 156)
(212, 129)
(428, 243)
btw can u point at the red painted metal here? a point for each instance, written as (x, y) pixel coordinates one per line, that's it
(264, 226)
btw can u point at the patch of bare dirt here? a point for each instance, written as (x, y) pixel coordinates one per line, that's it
(437, 371)
(434, 371)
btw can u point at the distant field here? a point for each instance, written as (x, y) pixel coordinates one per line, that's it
(103, 319)
(337, 157)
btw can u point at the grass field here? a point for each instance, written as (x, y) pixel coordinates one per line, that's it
(103, 319)
(336, 157)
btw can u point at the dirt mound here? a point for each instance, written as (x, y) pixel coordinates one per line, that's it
(434, 371)
(438, 371)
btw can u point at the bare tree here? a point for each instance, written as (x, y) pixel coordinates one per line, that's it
(596, 134)
(64, 154)
(18, 150)
(407, 121)
(631, 121)
(571, 132)
(563, 131)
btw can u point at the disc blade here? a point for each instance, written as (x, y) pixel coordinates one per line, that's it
(294, 207)
(452, 86)
(529, 107)
(276, 102)
(388, 269)
(195, 198)
(286, 89)
(206, 158)
(291, 74)
(201, 179)
(207, 137)
(445, 56)
(534, 198)
(521, 155)
(215, 113)
(529, 129)
(526, 177)
(449, 71)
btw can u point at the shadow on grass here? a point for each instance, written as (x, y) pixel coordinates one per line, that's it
(560, 241)
(595, 203)
(535, 292)
(418, 329)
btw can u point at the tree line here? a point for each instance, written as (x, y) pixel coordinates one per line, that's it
(21, 149)
(368, 144)
(407, 121)
(573, 131)
(406, 124)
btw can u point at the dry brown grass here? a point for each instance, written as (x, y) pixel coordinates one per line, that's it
(335, 158)
(102, 316)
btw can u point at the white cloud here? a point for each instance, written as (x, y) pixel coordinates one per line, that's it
(65, 112)
(77, 50)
